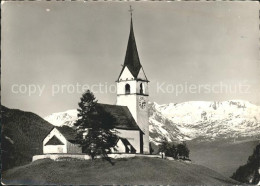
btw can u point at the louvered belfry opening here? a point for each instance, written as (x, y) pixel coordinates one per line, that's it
(127, 89)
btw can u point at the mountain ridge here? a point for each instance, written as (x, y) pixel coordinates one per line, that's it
(21, 136)
(193, 120)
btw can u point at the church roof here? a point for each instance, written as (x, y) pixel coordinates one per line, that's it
(68, 132)
(123, 120)
(132, 58)
(122, 115)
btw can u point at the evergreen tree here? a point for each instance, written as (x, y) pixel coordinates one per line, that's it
(182, 151)
(165, 146)
(173, 151)
(186, 151)
(95, 127)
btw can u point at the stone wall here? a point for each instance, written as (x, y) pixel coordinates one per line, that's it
(56, 157)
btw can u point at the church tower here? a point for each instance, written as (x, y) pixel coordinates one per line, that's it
(132, 88)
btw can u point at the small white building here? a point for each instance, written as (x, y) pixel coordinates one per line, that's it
(61, 140)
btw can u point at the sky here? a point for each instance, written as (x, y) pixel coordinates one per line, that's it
(190, 51)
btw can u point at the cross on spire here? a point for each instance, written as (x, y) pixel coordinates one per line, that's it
(131, 10)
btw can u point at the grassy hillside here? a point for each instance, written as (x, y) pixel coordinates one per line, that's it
(125, 171)
(22, 135)
(221, 156)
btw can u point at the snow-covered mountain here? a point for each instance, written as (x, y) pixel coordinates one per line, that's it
(63, 118)
(204, 120)
(198, 120)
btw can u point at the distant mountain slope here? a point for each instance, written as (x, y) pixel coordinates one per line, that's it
(204, 121)
(22, 135)
(125, 171)
(222, 156)
(250, 172)
(194, 120)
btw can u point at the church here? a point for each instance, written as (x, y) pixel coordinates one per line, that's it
(130, 111)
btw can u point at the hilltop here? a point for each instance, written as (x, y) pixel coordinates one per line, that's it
(139, 170)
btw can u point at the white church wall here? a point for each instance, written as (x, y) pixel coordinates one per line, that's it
(143, 123)
(50, 149)
(129, 101)
(133, 136)
(121, 87)
(120, 147)
(144, 85)
(57, 157)
(140, 115)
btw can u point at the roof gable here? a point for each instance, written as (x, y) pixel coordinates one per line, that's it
(68, 132)
(54, 141)
(125, 74)
(141, 75)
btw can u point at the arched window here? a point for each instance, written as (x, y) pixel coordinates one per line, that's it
(141, 89)
(127, 89)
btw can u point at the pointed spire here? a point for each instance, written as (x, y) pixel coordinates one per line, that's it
(132, 58)
(131, 11)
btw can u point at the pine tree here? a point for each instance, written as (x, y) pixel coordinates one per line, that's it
(182, 151)
(95, 127)
(173, 151)
(164, 146)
